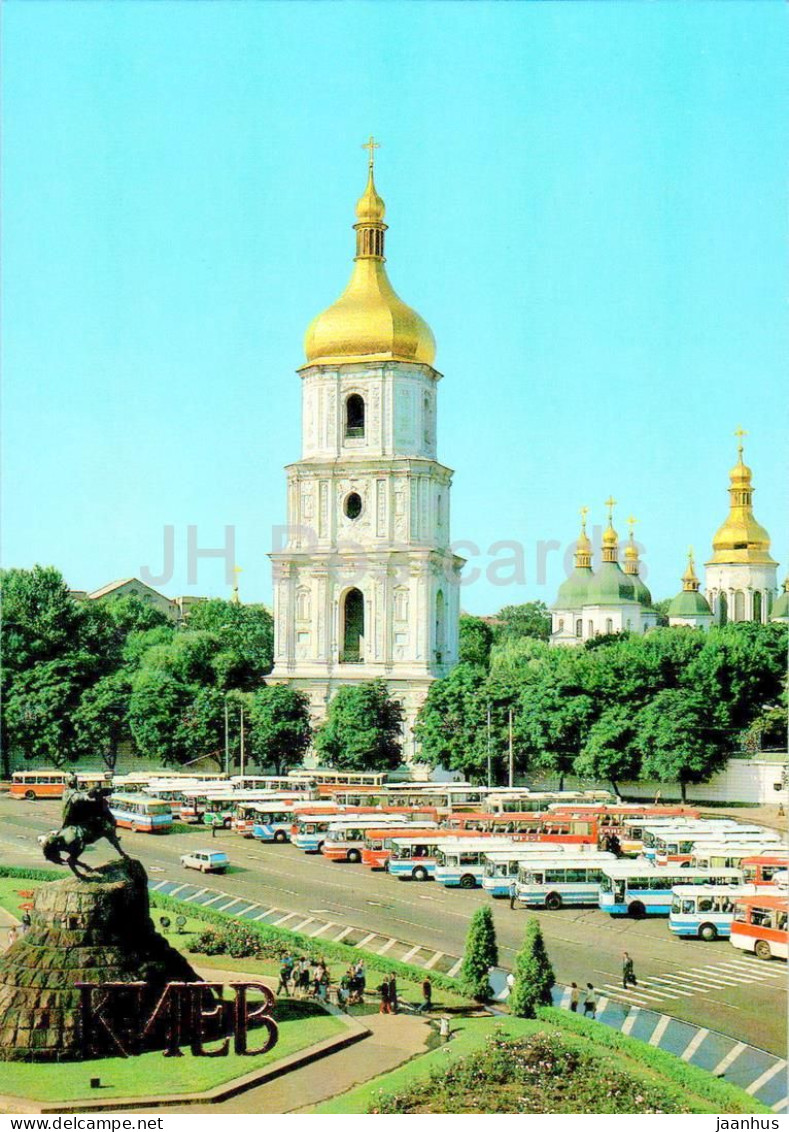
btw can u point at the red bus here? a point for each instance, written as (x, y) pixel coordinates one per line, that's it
(34, 784)
(761, 869)
(378, 842)
(528, 827)
(759, 925)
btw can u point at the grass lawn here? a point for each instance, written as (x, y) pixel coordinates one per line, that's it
(301, 1024)
(10, 887)
(691, 1086)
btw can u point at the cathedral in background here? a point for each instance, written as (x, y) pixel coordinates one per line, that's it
(367, 585)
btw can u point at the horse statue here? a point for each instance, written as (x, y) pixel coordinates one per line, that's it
(86, 819)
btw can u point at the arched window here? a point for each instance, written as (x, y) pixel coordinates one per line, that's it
(302, 604)
(353, 627)
(723, 609)
(354, 416)
(560, 626)
(591, 628)
(609, 625)
(401, 603)
(579, 628)
(757, 606)
(440, 626)
(426, 418)
(739, 605)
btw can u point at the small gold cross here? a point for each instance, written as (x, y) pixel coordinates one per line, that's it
(610, 503)
(631, 522)
(584, 511)
(372, 145)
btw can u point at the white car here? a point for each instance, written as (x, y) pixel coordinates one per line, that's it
(206, 861)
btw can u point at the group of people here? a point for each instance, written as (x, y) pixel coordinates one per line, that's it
(388, 996)
(304, 978)
(591, 997)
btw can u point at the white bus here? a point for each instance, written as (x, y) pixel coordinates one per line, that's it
(413, 856)
(502, 867)
(677, 848)
(704, 911)
(553, 882)
(722, 854)
(344, 840)
(460, 864)
(637, 889)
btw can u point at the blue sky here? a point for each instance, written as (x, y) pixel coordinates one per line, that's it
(586, 201)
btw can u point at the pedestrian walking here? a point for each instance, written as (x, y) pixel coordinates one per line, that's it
(427, 996)
(25, 923)
(285, 972)
(590, 1000)
(383, 990)
(575, 997)
(628, 971)
(13, 935)
(393, 994)
(361, 980)
(513, 893)
(510, 983)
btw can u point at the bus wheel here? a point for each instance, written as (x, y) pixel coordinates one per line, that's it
(419, 873)
(708, 932)
(280, 836)
(320, 847)
(467, 882)
(762, 949)
(30, 795)
(636, 910)
(553, 901)
(354, 856)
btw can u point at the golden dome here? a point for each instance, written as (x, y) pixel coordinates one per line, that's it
(741, 538)
(369, 322)
(583, 545)
(690, 582)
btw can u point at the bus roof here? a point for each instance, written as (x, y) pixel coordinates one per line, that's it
(781, 902)
(633, 868)
(545, 849)
(127, 797)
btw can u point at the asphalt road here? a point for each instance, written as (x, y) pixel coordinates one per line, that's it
(584, 944)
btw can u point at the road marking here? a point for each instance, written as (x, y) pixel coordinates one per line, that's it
(676, 990)
(779, 1105)
(366, 940)
(262, 915)
(643, 998)
(762, 973)
(693, 1045)
(731, 1056)
(709, 982)
(683, 982)
(718, 978)
(178, 888)
(564, 1001)
(320, 931)
(194, 895)
(300, 927)
(630, 1021)
(432, 962)
(453, 970)
(213, 900)
(659, 1030)
(158, 885)
(601, 1005)
(409, 955)
(284, 919)
(342, 935)
(765, 1077)
(390, 943)
(228, 905)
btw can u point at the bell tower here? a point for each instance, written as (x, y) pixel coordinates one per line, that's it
(367, 585)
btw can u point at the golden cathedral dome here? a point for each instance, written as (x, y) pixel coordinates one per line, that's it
(741, 538)
(369, 322)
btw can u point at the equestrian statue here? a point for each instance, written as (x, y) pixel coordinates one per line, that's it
(86, 819)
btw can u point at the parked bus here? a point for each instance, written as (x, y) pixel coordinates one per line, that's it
(642, 889)
(623, 819)
(344, 839)
(705, 911)
(505, 801)
(501, 867)
(282, 783)
(247, 814)
(529, 826)
(766, 866)
(553, 882)
(678, 849)
(759, 925)
(722, 854)
(377, 848)
(141, 778)
(413, 857)
(309, 828)
(36, 784)
(460, 864)
(141, 813)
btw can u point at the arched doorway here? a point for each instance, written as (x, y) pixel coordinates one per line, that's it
(757, 606)
(739, 605)
(352, 634)
(723, 609)
(354, 416)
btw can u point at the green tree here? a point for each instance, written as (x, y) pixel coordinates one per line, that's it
(476, 641)
(156, 707)
(246, 636)
(280, 732)
(610, 751)
(363, 729)
(661, 608)
(555, 712)
(534, 977)
(41, 621)
(40, 709)
(531, 619)
(101, 719)
(677, 741)
(481, 953)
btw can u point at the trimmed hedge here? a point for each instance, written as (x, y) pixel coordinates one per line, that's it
(686, 1076)
(276, 942)
(31, 874)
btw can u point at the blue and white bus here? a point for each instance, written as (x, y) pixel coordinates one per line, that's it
(140, 813)
(271, 822)
(552, 882)
(501, 867)
(637, 889)
(703, 911)
(413, 856)
(726, 854)
(460, 864)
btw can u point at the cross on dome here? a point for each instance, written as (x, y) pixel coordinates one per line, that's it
(371, 145)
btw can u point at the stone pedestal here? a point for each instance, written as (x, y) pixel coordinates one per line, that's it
(92, 930)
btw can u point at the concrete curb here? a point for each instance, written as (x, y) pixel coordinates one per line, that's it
(356, 1032)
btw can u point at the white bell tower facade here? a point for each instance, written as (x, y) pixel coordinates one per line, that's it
(367, 586)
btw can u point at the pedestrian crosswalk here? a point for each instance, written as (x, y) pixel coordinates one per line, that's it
(691, 981)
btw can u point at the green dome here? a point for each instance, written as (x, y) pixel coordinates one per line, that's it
(573, 590)
(689, 603)
(642, 593)
(780, 610)
(610, 586)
